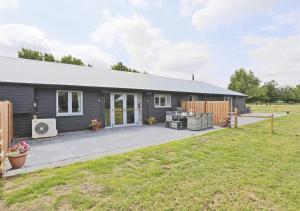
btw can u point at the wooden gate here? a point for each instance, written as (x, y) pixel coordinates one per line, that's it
(220, 109)
(6, 130)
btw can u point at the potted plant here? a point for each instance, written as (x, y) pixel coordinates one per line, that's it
(151, 120)
(225, 122)
(95, 125)
(17, 154)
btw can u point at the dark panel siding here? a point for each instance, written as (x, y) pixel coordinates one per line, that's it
(22, 125)
(92, 109)
(240, 103)
(22, 97)
(46, 103)
(158, 113)
(213, 97)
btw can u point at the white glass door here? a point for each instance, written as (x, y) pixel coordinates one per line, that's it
(126, 109)
(130, 106)
(118, 109)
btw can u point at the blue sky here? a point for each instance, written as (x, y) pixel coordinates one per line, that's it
(210, 38)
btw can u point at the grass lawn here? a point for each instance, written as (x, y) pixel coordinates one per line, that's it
(275, 108)
(231, 169)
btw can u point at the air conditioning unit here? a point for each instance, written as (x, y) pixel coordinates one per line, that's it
(42, 128)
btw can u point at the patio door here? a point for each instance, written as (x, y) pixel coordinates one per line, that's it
(118, 113)
(130, 106)
(125, 109)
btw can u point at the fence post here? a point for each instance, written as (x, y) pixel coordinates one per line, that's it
(1, 154)
(6, 131)
(235, 118)
(272, 123)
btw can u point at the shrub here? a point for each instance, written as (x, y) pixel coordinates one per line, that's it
(151, 120)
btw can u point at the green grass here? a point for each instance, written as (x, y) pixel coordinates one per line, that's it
(231, 169)
(275, 108)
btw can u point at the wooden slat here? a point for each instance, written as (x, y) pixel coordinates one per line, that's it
(10, 122)
(220, 109)
(6, 130)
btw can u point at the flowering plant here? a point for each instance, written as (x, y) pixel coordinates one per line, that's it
(225, 122)
(18, 149)
(95, 124)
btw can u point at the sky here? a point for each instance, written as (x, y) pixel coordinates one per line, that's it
(207, 38)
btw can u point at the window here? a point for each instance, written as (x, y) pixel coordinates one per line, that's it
(68, 103)
(192, 98)
(162, 100)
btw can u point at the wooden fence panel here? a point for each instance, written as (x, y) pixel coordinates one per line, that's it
(6, 130)
(194, 106)
(220, 109)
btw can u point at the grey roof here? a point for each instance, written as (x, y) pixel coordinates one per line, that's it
(15, 70)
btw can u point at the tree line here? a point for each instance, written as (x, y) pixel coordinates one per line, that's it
(262, 92)
(121, 67)
(27, 53)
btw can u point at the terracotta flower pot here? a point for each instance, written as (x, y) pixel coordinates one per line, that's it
(17, 161)
(224, 122)
(96, 126)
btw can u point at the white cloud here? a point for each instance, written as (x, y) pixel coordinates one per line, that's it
(276, 58)
(214, 13)
(188, 7)
(9, 5)
(146, 3)
(15, 36)
(290, 18)
(148, 50)
(280, 21)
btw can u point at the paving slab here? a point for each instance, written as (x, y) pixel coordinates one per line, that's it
(86, 145)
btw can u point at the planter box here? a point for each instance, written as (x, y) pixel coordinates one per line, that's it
(177, 125)
(210, 120)
(200, 121)
(168, 124)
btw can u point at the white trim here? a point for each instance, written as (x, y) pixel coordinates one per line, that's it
(168, 105)
(137, 113)
(70, 113)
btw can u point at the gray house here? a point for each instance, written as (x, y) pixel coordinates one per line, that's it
(74, 95)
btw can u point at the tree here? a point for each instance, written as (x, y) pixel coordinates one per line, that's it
(287, 94)
(297, 93)
(71, 60)
(120, 67)
(246, 82)
(49, 57)
(272, 91)
(30, 54)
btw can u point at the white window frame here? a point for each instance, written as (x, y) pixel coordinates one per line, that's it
(168, 104)
(69, 113)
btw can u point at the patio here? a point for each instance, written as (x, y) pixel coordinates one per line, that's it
(86, 145)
